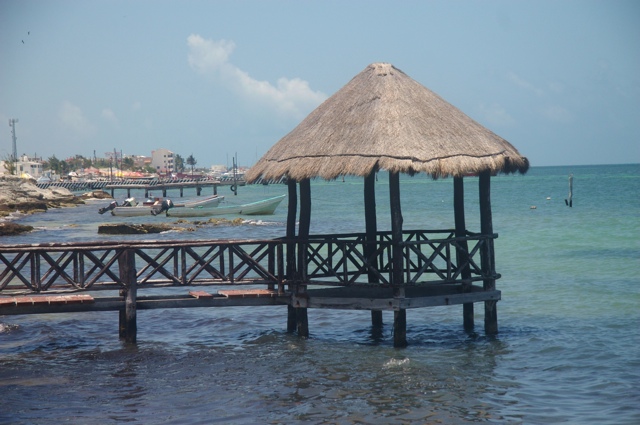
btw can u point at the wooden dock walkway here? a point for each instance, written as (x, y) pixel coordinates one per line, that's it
(149, 186)
(329, 271)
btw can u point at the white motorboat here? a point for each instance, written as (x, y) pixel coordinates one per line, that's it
(131, 208)
(263, 207)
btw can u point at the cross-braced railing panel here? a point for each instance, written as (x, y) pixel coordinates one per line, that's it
(64, 266)
(74, 268)
(428, 257)
(346, 259)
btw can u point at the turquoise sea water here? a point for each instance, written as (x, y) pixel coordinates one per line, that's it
(568, 350)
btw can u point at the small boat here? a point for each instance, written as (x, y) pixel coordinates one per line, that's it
(131, 208)
(264, 207)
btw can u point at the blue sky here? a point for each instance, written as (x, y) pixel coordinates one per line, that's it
(559, 79)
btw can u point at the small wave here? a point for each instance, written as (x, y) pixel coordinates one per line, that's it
(12, 216)
(261, 223)
(6, 328)
(396, 363)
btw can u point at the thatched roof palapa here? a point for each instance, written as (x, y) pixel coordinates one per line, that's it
(383, 119)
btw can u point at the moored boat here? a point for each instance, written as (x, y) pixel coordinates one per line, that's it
(131, 208)
(263, 207)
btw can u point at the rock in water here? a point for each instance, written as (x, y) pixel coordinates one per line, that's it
(132, 229)
(10, 229)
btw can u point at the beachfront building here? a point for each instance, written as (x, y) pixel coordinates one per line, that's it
(162, 160)
(25, 167)
(29, 167)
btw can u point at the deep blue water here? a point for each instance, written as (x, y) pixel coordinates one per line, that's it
(568, 350)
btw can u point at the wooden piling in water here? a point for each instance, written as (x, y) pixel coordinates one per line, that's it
(487, 255)
(291, 254)
(569, 200)
(128, 316)
(304, 224)
(462, 253)
(371, 226)
(400, 316)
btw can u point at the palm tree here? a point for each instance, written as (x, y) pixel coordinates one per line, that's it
(192, 162)
(178, 162)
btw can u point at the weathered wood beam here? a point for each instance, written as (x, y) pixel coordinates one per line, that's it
(291, 250)
(463, 252)
(400, 317)
(128, 316)
(487, 254)
(303, 235)
(371, 226)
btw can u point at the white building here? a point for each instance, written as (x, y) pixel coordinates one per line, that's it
(162, 161)
(25, 167)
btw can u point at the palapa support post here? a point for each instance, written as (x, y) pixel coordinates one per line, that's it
(400, 316)
(291, 249)
(303, 236)
(128, 192)
(128, 320)
(462, 252)
(487, 254)
(371, 226)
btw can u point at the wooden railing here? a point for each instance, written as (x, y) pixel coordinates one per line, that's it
(435, 256)
(339, 260)
(93, 266)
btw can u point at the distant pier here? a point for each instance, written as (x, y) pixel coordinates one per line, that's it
(148, 186)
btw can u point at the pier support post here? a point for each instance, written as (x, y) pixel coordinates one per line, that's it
(397, 277)
(462, 253)
(400, 328)
(291, 319)
(371, 226)
(291, 249)
(302, 322)
(304, 224)
(487, 255)
(128, 316)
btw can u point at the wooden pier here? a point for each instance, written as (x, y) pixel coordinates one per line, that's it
(149, 186)
(333, 271)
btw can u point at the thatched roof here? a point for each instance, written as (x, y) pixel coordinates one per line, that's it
(383, 119)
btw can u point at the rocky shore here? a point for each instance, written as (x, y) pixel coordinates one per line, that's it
(19, 195)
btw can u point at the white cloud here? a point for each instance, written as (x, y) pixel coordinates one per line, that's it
(73, 120)
(496, 115)
(291, 97)
(208, 55)
(522, 83)
(557, 113)
(110, 117)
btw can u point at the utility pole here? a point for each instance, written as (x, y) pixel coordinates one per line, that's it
(14, 158)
